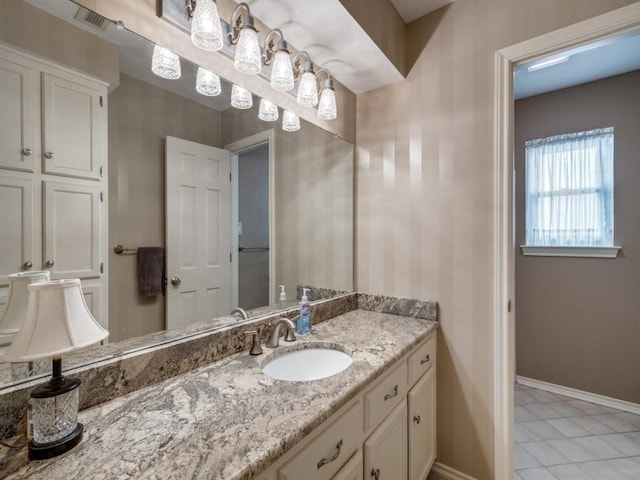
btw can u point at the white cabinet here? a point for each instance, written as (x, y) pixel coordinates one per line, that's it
(422, 426)
(53, 175)
(385, 451)
(388, 432)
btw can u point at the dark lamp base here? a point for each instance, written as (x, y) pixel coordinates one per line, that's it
(41, 451)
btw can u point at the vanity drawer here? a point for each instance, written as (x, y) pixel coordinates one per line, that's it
(323, 457)
(422, 359)
(385, 395)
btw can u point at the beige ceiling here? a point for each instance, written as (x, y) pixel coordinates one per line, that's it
(409, 10)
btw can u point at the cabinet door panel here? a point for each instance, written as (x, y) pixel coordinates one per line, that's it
(71, 230)
(385, 451)
(16, 116)
(422, 426)
(352, 469)
(71, 128)
(17, 222)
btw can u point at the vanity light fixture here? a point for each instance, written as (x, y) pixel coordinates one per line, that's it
(208, 83)
(290, 122)
(282, 70)
(206, 29)
(268, 111)
(165, 63)
(241, 98)
(244, 36)
(56, 321)
(327, 109)
(307, 90)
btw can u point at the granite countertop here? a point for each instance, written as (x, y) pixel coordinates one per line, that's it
(226, 420)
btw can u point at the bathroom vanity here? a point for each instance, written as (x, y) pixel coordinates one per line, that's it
(229, 420)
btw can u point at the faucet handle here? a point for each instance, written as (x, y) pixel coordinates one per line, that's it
(256, 349)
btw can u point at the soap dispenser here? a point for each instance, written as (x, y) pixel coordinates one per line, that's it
(304, 322)
(282, 301)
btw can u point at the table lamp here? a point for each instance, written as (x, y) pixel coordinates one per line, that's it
(56, 321)
(11, 319)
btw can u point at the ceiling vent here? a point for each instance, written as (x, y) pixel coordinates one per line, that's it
(92, 19)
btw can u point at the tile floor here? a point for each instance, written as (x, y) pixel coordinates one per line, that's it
(561, 438)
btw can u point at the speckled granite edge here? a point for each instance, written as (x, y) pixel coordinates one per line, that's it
(407, 307)
(105, 380)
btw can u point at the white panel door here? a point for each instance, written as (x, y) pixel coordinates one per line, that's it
(17, 142)
(71, 246)
(73, 118)
(385, 451)
(422, 426)
(17, 236)
(198, 232)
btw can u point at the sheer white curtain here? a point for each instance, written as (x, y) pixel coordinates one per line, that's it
(569, 189)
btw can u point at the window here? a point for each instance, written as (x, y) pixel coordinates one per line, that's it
(569, 190)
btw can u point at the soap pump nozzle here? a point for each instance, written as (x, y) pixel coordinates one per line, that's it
(304, 298)
(283, 296)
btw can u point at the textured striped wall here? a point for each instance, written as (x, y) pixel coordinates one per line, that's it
(425, 191)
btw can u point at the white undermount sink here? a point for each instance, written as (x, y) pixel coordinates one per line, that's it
(307, 364)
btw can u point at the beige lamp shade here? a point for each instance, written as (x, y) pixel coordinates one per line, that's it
(57, 321)
(11, 320)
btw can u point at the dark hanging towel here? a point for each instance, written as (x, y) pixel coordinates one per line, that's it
(150, 271)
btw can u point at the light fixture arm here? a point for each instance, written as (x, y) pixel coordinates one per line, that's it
(297, 69)
(328, 83)
(270, 47)
(238, 22)
(191, 7)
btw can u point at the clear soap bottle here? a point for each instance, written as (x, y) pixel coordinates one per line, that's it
(282, 301)
(304, 322)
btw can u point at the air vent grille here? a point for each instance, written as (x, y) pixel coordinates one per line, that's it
(91, 18)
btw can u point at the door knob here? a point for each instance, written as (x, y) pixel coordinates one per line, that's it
(49, 264)
(27, 265)
(176, 281)
(48, 155)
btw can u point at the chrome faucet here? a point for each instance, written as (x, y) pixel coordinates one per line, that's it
(241, 311)
(274, 338)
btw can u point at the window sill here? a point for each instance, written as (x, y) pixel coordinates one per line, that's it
(588, 252)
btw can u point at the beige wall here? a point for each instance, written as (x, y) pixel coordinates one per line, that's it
(314, 202)
(425, 196)
(48, 37)
(140, 117)
(577, 318)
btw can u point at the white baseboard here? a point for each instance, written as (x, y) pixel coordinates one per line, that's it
(449, 473)
(580, 395)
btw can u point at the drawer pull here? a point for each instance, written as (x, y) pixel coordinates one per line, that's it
(391, 395)
(324, 461)
(416, 418)
(375, 473)
(425, 359)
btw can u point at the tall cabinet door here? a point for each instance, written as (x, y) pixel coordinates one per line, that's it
(422, 426)
(71, 230)
(71, 128)
(17, 223)
(17, 134)
(385, 451)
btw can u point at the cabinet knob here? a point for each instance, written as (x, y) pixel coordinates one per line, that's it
(27, 265)
(375, 473)
(416, 418)
(27, 151)
(49, 264)
(176, 281)
(48, 155)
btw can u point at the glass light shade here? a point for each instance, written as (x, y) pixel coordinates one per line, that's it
(241, 98)
(268, 111)
(282, 71)
(165, 63)
(208, 83)
(327, 109)
(307, 90)
(14, 313)
(206, 30)
(290, 122)
(248, 59)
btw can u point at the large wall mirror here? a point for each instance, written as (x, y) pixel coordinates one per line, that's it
(290, 208)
